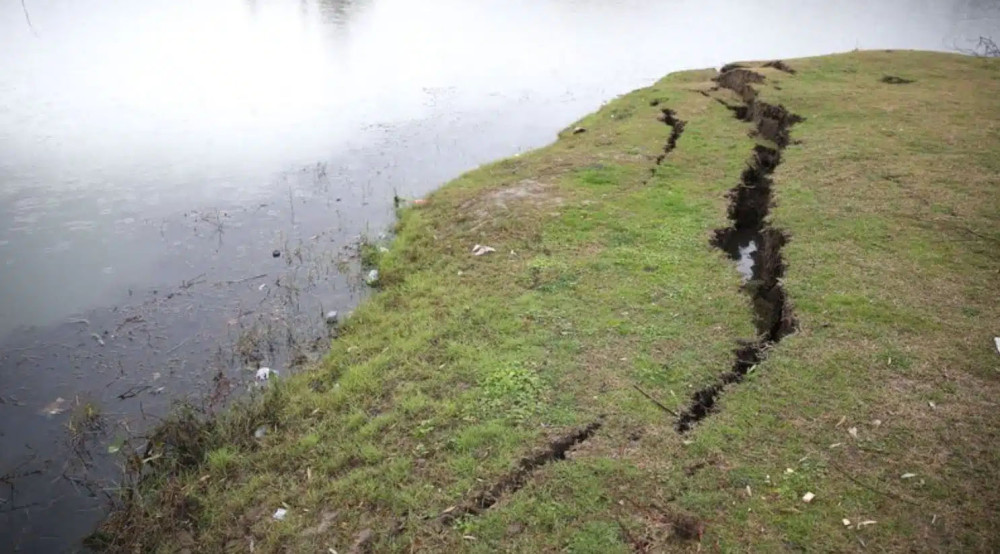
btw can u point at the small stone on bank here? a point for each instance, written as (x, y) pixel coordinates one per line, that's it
(578, 130)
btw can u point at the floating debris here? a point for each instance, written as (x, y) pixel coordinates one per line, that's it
(265, 373)
(55, 407)
(276, 254)
(331, 317)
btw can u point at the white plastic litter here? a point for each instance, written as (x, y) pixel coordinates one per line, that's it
(55, 407)
(808, 497)
(481, 249)
(280, 514)
(996, 342)
(265, 373)
(867, 523)
(260, 432)
(372, 277)
(331, 317)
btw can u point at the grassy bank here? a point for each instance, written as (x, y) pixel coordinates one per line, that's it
(528, 399)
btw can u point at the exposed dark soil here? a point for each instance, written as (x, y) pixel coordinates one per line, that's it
(893, 80)
(731, 66)
(749, 205)
(781, 66)
(512, 482)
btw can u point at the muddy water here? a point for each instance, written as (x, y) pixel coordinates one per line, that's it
(154, 155)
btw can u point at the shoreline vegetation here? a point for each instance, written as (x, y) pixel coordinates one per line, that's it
(747, 309)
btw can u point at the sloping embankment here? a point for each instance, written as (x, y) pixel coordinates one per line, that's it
(529, 399)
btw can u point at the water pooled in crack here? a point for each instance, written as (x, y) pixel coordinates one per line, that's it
(745, 261)
(750, 240)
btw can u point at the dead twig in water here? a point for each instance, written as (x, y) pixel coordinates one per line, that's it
(134, 391)
(182, 343)
(27, 18)
(192, 282)
(655, 401)
(245, 279)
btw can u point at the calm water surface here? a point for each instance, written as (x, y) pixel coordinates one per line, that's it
(154, 154)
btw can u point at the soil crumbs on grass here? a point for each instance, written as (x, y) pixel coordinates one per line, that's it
(604, 301)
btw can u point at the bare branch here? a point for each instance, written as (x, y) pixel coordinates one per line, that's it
(27, 18)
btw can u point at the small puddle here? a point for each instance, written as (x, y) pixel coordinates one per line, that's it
(751, 241)
(741, 248)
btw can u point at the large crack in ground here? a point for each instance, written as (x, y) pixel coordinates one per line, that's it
(554, 451)
(750, 240)
(669, 117)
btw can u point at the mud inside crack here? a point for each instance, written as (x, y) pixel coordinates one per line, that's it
(750, 239)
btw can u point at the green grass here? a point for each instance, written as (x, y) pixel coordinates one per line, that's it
(603, 279)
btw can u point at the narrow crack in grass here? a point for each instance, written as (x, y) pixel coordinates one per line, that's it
(512, 482)
(668, 117)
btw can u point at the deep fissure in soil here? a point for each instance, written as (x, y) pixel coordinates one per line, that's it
(554, 451)
(750, 240)
(669, 117)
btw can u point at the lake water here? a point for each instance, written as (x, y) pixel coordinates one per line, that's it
(154, 155)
